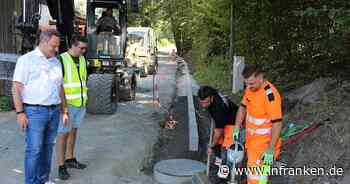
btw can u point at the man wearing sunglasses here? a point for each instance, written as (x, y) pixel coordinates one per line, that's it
(75, 77)
(261, 109)
(223, 111)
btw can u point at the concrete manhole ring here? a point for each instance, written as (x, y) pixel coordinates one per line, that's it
(177, 171)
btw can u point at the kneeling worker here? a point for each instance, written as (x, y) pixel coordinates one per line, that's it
(223, 111)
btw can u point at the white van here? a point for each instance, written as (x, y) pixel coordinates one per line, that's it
(142, 49)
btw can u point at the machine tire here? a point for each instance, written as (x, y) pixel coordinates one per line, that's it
(101, 99)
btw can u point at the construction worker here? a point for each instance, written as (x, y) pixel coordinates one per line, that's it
(74, 75)
(107, 23)
(261, 109)
(223, 112)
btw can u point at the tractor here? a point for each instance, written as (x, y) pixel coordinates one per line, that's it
(110, 79)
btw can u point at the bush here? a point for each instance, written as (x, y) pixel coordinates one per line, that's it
(215, 72)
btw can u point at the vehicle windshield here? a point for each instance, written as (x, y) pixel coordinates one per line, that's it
(105, 38)
(136, 37)
(104, 46)
(101, 12)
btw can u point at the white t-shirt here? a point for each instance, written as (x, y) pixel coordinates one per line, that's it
(41, 78)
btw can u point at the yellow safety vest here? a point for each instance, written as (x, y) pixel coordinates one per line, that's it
(74, 83)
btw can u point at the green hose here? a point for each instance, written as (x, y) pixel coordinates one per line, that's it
(292, 129)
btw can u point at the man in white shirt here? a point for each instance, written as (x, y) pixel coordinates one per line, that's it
(38, 94)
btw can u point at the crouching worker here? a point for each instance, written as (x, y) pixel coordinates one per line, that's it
(222, 111)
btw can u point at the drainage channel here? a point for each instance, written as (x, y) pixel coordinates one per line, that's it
(174, 161)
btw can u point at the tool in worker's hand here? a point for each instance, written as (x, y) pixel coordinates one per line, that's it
(235, 154)
(210, 143)
(236, 133)
(203, 177)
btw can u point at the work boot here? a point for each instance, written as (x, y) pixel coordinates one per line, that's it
(63, 173)
(73, 163)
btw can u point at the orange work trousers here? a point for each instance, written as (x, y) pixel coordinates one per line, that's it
(256, 145)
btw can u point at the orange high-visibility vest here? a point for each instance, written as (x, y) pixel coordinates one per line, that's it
(263, 107)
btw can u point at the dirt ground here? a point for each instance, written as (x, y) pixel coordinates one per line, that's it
(325, 101)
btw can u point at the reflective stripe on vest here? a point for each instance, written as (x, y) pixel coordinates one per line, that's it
(257, 123)
(259, 131)
(74, 85)
(75, 90)
(76, 96)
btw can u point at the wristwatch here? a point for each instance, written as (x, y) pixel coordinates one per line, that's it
(20, 112)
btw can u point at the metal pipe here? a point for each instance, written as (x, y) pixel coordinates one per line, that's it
(24, 11)
(210, 144)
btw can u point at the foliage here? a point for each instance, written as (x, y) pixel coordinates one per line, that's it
(214, 73)
(294, 40)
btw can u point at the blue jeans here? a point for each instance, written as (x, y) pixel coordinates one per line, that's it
(40, 138)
